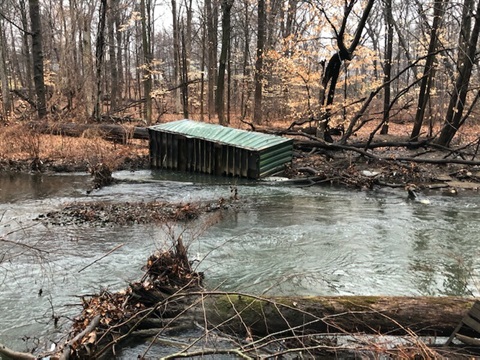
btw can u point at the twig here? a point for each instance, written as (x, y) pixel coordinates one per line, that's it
(205, 352)
(93, 324)
(100, 258)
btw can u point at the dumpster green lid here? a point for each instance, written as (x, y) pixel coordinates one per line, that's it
(221, 134)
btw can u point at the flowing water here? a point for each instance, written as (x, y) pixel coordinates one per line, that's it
(280, 240)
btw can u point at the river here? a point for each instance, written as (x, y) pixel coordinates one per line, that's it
(279, 240)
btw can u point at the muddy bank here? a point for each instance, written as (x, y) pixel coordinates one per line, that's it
(132, 162)
(314, 163)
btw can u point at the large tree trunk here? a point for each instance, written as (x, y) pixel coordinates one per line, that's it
(37, 54)
(245, 88)
(427, 79)
(87, 81)
(176, 55)
(145, 9)
(184, 87)
(119, 57)
(6, 101)
(337, 314)
(114, 86)
(453, 118)
(99, 55)
(261, 36)
(387, 66)
(220, 96)
(27, 78)
(212, 20)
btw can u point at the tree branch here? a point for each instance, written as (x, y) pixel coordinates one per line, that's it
(15, 355)
(2, 15)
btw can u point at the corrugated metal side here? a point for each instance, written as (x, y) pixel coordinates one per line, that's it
(217, 133)
(273, 160)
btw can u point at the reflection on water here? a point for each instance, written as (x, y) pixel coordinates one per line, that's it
(16, 187)
(281, 240)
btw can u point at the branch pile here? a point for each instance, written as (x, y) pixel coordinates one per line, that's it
(129, 313)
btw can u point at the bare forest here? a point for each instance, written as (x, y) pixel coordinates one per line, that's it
(344, 63)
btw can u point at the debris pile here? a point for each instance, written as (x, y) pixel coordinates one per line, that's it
(144, 304)
(102, 175)
(126, 213)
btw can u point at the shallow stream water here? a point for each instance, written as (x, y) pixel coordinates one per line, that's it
(279, 240)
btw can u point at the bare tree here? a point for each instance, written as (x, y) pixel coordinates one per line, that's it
(427, 79)
(387, 66)
(212, 22)
(99, 55)
(332, 70)
(176, 55)
(112, 54)
(6, 100)
(220, 95)
(145, 8)
(454, 116)
(261, 37)
(37, 54)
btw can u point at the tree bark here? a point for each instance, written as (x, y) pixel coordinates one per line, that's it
(176, 55)
(87, 67)
(456, 105)
(145, 8)
(99, 54)
(27, 83)
(220, 95)
(114, 85)
(261, 36)
(6, 99)
(212, 20)
(345, 314)
(37, 54)
(387, 67)
(427, 79)
(184, 87)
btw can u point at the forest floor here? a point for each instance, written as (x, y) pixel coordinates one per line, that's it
(22, 149)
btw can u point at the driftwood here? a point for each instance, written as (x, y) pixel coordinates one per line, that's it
(16, 355)
(118, 133)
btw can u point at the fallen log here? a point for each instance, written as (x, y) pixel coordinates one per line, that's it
(114, 132)
(435, 316)
(263, 318)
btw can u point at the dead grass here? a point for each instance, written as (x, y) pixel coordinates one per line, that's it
(19, 143)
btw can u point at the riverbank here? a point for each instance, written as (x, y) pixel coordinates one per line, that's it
(450, 171)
